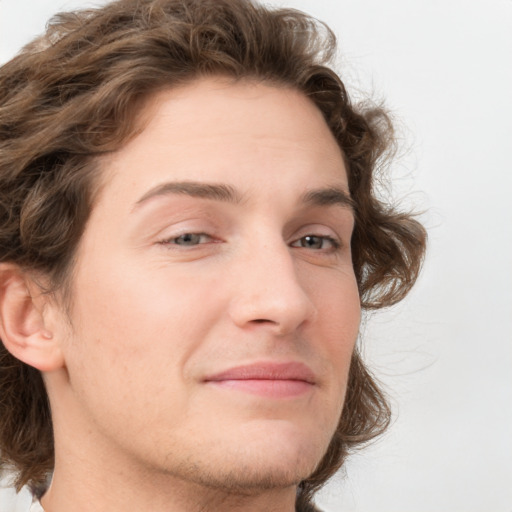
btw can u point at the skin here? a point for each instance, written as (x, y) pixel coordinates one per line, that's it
(170, 288)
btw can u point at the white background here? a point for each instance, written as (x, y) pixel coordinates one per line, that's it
(445, 354)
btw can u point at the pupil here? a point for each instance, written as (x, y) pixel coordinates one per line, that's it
(312, 241)
(188, 239)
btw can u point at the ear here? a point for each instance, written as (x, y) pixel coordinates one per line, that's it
(22, 321)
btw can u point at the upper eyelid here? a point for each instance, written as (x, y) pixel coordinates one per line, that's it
(319, 229)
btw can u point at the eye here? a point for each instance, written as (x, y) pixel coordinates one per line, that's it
(316, 242)
(188, 239)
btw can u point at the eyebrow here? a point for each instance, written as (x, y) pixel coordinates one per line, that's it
(218, 192)
(328, 196)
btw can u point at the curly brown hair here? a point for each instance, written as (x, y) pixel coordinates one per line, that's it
(74, 94)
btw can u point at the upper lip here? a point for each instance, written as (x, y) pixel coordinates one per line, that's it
(266, 371)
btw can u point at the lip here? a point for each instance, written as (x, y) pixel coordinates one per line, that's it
(270, 379)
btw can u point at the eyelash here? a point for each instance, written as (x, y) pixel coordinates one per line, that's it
(335, 244)
(172, 240)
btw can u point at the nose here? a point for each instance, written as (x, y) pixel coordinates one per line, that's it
(269, 292)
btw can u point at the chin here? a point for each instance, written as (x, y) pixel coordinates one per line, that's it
(248, 478)
(262, 461)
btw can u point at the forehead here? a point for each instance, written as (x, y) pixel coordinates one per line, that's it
(219, 129)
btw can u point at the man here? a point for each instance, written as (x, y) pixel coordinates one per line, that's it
(188, 236)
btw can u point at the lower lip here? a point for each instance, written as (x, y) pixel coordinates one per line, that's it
(267, 388)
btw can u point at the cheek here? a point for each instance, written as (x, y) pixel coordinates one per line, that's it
(337, 302)
(134, 333)
(136, 315)
(339, 314)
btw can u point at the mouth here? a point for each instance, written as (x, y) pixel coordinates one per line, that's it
(272, 380)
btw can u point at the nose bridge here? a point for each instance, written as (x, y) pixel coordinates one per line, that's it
(268, 289)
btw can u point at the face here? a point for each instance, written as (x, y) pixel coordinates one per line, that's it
(215, 307)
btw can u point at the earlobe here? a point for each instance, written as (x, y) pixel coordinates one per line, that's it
(22, 323)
